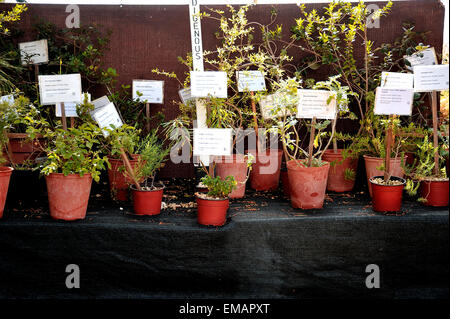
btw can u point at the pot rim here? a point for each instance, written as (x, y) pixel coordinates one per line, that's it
(392, 177)
(157, 189)
(304, 167)
(212, 199)
(6, 169)
(398, 158)
(61, 175)
(443, 180)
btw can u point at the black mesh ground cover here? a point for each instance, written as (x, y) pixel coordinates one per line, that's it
(266, 250)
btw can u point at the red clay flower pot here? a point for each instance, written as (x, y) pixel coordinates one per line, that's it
(435, 193)
(234, 165)
(265, 173)
(23, 150)
(5, 175)
(387, 198)
(307, 184)
(373, 162)
(118, 182)
(285, 183)
(212, 212)
(68, 196)
(147, 202)
(336, 176)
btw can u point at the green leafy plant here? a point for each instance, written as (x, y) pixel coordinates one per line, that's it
(152, 156)
(218, 187)
(75, 151)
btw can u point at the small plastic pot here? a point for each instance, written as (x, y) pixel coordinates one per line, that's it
(68, 196)
(147, 202)
(387, 198)
(337, 181)
(265, 173)
(307, 185)
(212, 212)
(435, 193)
(372, 164)
(118, 182)
(5, 175)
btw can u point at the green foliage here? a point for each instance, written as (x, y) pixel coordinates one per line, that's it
(349, 174)
(218, 187)
(75, 151)
(125, 137)
(152, 156)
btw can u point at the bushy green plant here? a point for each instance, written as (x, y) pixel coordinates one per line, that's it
(75, 151)
(218, 187)
(152, 156)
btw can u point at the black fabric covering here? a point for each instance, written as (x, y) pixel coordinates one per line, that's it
(266, 250)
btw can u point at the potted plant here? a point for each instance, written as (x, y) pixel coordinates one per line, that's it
(73, 161)
(148, 197)
(213, 206)
(434, 189)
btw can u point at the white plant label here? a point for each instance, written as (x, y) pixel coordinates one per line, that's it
(424, 57)
(7, 98)
(196, 35)
(70, 109)
(393, 101)
(431, 78)
(152, 91)
(251, 81)
(314, 103)
(100, 102)
(270, 102)
(60, 88)
(35, 52)
(185, 95)
(396, 80)
(107, 117)
(212, 141)
(209, 84)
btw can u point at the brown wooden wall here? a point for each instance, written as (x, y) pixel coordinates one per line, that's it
(146, 37)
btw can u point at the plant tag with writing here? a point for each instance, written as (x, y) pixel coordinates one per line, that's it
(250, 81)
(152, 91)
(320, 104)
(212, 141)
(431, 78)
(209, 84)
(393, 101)
(60, 88)
(34, 52)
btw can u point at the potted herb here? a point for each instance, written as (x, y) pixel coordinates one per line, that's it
(213, 206)
(387, 189)
(73, 161)
(434, 189)
(148, 197)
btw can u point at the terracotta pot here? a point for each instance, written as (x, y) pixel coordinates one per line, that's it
(387, 198)
(435, 193)
(23, 150)
(118, 182)
(336, 176)
(307, 184)
(285, 183)
(265, 173)
(373, 162)
(147, 202)
(212, 212)
(235, 165)
(68, 196)
(5, 175)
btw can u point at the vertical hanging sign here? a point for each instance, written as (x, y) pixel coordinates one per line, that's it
(197, 62)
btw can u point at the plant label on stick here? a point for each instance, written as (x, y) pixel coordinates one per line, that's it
(70, 108)
(107, 117)
(272, 108)
(151, 91)
(34, 52)
(7, 98)
(431, 78)
(100, 102)
(424, 57)
(212, 141)
(250, 81)
(397, 80)
(209, 84)
(320, 104)
(393, 101)
(185, 95)
(60, 88)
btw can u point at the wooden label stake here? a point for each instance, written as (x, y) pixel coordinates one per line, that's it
(63, 117)
(435, 131)
(311, 141)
